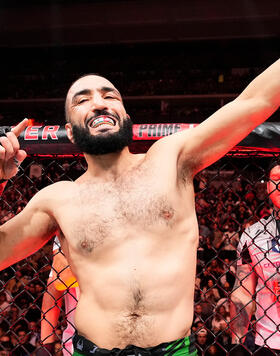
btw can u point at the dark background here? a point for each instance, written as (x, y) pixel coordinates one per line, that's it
(173, 61)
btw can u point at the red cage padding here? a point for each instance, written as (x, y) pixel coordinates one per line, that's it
(53, 139)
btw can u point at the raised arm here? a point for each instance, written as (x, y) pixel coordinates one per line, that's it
(33, 227)
(209, 141)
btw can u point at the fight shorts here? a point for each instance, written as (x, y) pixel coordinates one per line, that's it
(180, 347)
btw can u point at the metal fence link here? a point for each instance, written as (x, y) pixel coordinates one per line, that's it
(231, 196)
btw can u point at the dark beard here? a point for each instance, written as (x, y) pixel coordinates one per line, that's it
(104, 143)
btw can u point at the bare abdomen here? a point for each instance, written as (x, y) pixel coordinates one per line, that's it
(133, 302)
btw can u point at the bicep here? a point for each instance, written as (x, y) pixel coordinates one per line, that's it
(25, 233)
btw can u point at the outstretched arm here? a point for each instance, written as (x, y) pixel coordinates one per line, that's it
(209, 141)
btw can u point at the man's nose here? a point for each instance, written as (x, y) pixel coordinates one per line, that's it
(98, 103)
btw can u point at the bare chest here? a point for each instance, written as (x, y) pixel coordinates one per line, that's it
(107, 211)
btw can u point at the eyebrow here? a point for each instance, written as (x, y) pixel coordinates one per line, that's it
(89, 92)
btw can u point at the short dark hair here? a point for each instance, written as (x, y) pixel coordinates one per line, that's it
(82, 76)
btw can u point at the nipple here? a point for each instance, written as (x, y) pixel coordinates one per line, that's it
(87, 245)
(167, 214)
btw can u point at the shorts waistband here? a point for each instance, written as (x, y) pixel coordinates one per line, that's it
(184, 346)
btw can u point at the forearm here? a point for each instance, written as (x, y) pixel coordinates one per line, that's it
(51, 307)
(11, 254)
(241, 310)
(265, 86)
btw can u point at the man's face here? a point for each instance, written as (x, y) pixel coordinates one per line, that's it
(201, 339)
(98, 122)
(273, 186)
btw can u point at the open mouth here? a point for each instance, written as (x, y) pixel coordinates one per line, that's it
(101, 120)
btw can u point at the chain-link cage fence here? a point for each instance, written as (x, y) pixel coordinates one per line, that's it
(231, 196)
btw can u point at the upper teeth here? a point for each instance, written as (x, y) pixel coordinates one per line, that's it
(102, 120)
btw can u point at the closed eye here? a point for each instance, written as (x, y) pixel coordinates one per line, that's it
(82, 100)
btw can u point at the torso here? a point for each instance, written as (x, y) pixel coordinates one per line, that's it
(132, 245)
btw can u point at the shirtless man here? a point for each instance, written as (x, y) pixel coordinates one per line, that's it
(128, 225)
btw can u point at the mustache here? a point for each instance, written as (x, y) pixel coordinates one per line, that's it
(98, 113)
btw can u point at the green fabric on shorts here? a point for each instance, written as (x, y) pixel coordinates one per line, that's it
(181, 347)
(76, 353)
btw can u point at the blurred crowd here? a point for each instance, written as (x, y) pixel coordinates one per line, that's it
(223, 213)
(148, 69)
(177, 80)
(155, 70)
(140, 82)
(225, 207)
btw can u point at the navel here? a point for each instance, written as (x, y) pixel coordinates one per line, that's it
(134, 316)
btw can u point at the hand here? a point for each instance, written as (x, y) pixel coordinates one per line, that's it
(11, 155)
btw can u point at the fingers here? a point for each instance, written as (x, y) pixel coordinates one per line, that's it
(20, 156)
(11, 155)
(8, 147)
(2, 153)
(20, 127)
(13, 140)
(10, 144)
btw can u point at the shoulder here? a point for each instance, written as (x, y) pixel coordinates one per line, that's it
(56, 189)
(53, 193)
(173, 142)
(177, 150)
(253, 234)
(256, 229)
(61, 186)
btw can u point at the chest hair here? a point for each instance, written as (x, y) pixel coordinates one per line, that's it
(135, 200)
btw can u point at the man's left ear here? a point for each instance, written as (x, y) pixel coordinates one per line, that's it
(69, 132)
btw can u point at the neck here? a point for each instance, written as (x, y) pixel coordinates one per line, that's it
(109, 166)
